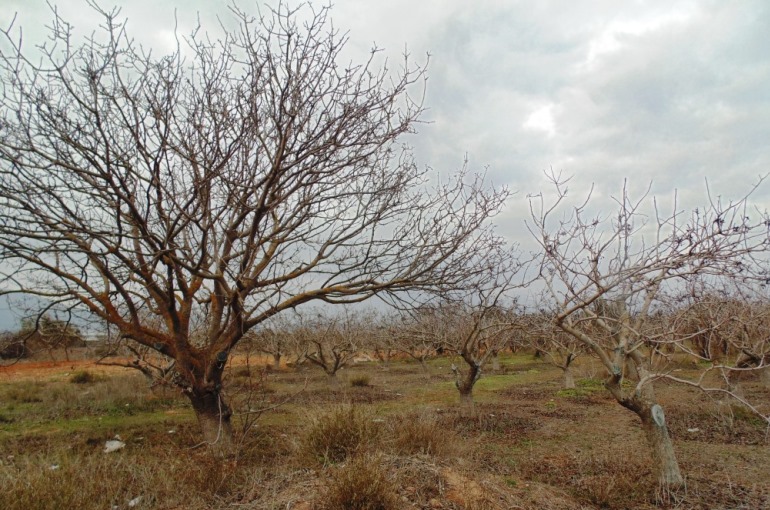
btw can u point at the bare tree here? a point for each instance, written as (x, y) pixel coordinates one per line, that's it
(474, 328)
(727, 326)
(333, 342)
(610, 278)
(421, 334)
(49, 334)
(220, 185)
(275, 338)
(557, 347)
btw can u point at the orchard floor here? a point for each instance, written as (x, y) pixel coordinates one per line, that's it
(390, 436)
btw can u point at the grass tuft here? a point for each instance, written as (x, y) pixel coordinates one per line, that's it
(361, 381)
(361, 484)
(83, 377)
(334, 436)
(420, 434)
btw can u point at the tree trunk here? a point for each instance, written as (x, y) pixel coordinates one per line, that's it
(656, 430)
(213, 415)
(334, 382)
(664, 456)
(465, 385)
(569, 380)
(467, 406)
(276, 360)
(495, 363)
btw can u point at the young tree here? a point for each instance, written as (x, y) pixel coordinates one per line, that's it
(474, 328)
(333, 342)
(610, 279)
(220, 185)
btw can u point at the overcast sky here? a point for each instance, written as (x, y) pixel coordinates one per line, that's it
(669, 92)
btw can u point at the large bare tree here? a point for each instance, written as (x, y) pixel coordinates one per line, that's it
(185, 198)
(615, 278)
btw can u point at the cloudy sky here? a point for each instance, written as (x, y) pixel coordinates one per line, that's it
(670, 92)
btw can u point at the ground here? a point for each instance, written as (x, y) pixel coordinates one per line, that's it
(385, 436)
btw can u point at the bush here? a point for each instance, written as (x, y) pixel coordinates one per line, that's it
(360, 381)
(339, 434)
(83, 377)
(12, 348)
(419, 434)
(362, 484)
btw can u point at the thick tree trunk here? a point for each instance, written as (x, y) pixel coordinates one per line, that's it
(465, 383)
(656, 430)
(276, 361)
(213, 415)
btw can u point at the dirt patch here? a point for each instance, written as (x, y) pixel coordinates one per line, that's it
(51, 369)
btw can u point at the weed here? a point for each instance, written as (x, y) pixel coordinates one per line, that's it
(26, 393)
(83, 377)
(360, 380)
(338, 434)
(590, 384)
(361, 484)
(419, 434)
(605, 480)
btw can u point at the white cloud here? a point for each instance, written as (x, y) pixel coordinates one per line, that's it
(542, 120)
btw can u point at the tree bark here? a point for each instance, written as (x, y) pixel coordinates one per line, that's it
(334, 382)
(276, 360)
(213, 415)
(569, 380)
(656, 430)
(495, 362)
(468, 407)
(465, 385)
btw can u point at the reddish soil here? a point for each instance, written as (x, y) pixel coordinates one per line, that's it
(49, 369)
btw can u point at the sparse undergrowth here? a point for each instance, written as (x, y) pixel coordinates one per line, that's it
(396, 444)
(340, 433)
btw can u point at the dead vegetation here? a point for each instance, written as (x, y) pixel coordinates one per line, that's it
(530, 444)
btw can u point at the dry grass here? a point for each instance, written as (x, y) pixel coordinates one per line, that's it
(401, 442)
(420, 434)
(361, 484)
(335, 435)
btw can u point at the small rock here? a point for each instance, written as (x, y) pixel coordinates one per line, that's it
(693, 431)
(113, 445)
(134, 502)
(54, 467)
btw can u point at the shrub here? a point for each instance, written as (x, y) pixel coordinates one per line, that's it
(362, 484)
(337, 435)
(360, 381)
(11, 348)
(83, 377)
(419, 434)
